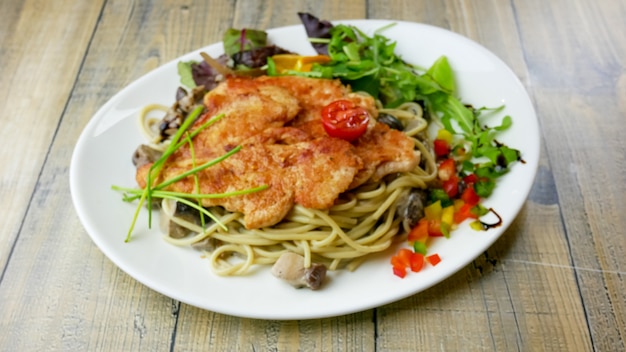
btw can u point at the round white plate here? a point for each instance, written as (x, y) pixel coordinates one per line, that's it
(102, 158)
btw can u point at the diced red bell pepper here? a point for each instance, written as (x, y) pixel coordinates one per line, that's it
(433, 259)
(400, 262)
(434, 228)
(399, 272)
(464, 212)
(401, 259)
(441, 148)
(470, 197)
(417, 262)
(396, 262)
(405, 258)
(420, 231)
(451, 186)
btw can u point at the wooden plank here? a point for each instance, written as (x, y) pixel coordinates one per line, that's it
(59, 292)
(267, 15)
(223, 333)
(583, 107)
(42, 46)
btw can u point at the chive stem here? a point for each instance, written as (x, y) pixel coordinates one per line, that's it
(155, 169)
(197, 169)
(160, 194)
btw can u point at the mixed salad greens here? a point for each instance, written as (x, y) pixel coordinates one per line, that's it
(469, 158)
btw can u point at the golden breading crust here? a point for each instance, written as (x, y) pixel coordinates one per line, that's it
(297, 169)
(277, 122)
(313, 94)
(384, 151)
(249, 109)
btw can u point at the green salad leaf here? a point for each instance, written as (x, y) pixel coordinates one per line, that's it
(238, 40)
(370, 64)
(186, 74)
(441, 73)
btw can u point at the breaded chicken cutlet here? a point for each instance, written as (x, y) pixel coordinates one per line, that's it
(276, 120)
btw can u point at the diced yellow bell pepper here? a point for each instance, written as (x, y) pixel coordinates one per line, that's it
(433, 211)
(289, 62)
(476, 225)
(447, 215)
(445, 135)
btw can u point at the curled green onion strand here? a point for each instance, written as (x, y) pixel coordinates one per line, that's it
(197, 169)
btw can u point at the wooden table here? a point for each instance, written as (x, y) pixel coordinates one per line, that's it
(554, 281)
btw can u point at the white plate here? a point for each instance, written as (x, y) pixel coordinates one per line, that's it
(103, 158)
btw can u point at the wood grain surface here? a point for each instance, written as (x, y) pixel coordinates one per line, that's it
(555, 281)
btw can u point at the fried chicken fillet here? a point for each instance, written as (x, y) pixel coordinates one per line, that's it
(276, 121)
(383, 150)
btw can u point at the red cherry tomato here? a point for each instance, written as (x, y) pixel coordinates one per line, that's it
(447, 169)
(343, 119)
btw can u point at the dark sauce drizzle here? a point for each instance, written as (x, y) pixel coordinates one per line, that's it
(498, 223)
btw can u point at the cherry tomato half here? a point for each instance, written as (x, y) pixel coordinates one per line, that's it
(447, 169)
(343, 119)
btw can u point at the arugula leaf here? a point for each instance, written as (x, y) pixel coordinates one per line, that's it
(441, 73)
(367, 84)
(452, 110)
(369, 64)
(510, 155)
(507, 121)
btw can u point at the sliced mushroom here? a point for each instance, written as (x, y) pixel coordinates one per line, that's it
(185, 103)
(411, 208)
(290, 267)
(390, 121)
(144, 154)
(178, 210)
(188, 102)
(207, 244)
